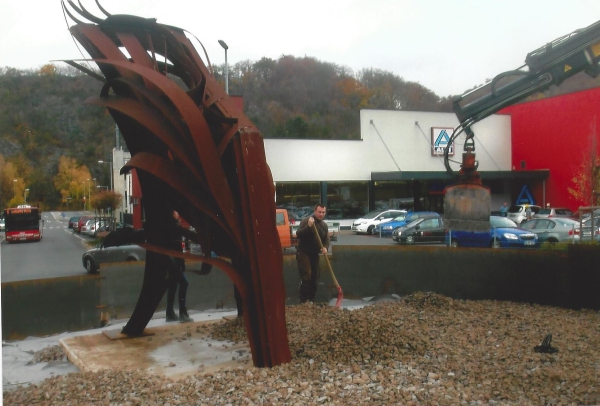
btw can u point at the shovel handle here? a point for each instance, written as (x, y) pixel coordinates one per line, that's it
(335, 282)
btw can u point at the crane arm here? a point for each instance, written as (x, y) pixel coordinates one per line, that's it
(546, 66)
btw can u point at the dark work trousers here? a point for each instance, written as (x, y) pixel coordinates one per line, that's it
(177, 277)
(308, 267)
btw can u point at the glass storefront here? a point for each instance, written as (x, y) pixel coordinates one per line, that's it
(350, 200)
(299, 198)
(393, 195)
(347, 200)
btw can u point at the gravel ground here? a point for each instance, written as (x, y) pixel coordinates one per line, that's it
(425, 349)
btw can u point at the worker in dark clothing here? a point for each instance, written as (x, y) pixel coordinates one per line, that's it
(308, 250)
(176, 275)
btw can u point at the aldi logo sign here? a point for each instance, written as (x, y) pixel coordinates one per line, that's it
(440, 138)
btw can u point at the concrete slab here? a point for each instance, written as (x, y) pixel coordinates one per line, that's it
(173, 350)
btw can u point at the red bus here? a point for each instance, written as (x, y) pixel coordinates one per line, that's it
(23, 223)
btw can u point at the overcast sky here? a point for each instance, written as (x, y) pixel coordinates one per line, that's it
(448, 46)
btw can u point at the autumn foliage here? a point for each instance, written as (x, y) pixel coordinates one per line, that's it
(105, 200)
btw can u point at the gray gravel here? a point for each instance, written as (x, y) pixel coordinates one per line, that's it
(424, 349)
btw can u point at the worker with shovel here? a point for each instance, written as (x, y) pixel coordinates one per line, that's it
(310, 246)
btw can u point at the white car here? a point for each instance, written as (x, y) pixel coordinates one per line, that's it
(367, 223)
(518, 212)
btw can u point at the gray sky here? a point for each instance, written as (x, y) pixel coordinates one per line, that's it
(448, 46)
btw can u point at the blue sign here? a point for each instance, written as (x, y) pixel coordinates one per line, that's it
(440, 139)
(525, 197)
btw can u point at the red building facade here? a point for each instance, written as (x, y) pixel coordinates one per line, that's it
(555, 134)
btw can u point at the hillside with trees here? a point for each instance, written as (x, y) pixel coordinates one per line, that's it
(43, 116)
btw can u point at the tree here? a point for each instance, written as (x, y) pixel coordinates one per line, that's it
(12, 184)
(587, 176)
(106, 200)
(72, 179)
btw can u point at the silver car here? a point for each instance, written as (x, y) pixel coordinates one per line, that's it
(553, 230)
(92, 227)
(94, 258)
(553, 212)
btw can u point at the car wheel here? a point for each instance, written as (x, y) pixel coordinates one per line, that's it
(410, 239)
(552, 241)
(496, 244)
(370, 229)
(90, 266)
(454, 244)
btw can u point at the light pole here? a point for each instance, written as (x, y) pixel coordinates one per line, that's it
(83, 183)
(225, 47)
(25, 194)
(14, 188)
(89, 195)
(111, 172)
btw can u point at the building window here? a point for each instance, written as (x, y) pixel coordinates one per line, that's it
(347, 200)
(393, 195)
(299, 198)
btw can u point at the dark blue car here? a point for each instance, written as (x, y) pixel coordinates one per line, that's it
(386, 229)
(504, 233)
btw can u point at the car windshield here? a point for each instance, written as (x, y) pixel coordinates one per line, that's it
(497, 221)
(515, 209)
(413, 221)
(544, 211)
(401, 217)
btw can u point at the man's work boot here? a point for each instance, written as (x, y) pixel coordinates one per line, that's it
(171, 316)
(184, 317)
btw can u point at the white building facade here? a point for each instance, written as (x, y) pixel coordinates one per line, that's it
(397, 163)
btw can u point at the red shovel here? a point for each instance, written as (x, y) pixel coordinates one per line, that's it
(340, 296)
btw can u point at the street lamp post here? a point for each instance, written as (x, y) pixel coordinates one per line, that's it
(225, 47)
(111, 172)
(84, 199)
(89, 195)
(14, 187)
(25, 195)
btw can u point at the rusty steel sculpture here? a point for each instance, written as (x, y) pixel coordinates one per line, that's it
(195, 152)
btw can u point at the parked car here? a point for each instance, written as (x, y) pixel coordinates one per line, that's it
(518, 212)
(504, 233)
(553, 212)
(387, 228)
(367, 223)
(95, 257)
(586, 229)
(92, 227)
(553, 230)
(80, 223)
(589, 214)
(73, 222)
(429, 230)
(2, 224)
(88, 225)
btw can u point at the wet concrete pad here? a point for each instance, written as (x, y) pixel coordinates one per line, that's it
(172, 350)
